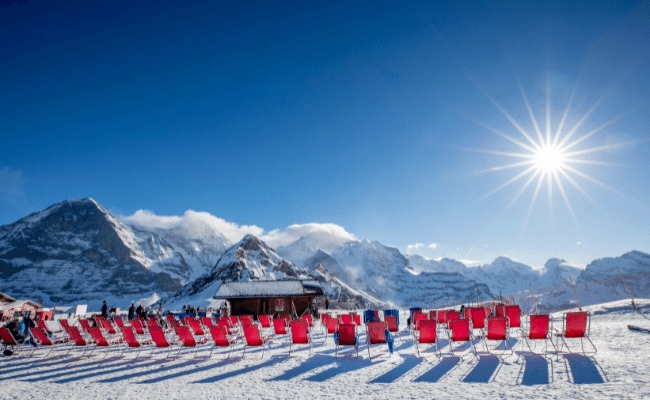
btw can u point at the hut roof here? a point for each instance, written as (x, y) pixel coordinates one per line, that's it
(230, 290)
(5, 298)
(18, 305)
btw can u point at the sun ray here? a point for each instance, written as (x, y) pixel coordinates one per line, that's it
(500, 153)
(520, 192)
(503, 167)
(503, 135)
(534, 200)
(584, 118)
(513, 122)
(600, 148)
(530, 110)
(591, 162)
(564, 116)
(590, 179)
(566, 201)
(588, 135)
(548, 109)
(580, 189)
(507, 183)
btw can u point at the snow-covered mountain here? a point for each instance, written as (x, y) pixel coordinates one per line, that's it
(75, 251)
(503, 275)
(306, 246)
(248, 260)
(634, 262)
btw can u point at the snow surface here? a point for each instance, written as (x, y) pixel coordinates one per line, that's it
(618, 370)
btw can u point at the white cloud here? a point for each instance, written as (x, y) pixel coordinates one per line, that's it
(12, 183)
(433, 246)
(415, 246)
(283, 237)
(470, 262)
(579, 243)
(196, 224)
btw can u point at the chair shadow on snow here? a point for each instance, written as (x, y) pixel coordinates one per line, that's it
(271, 361)
(72, 370)
(28, 370)
(484, 370)
(125, 368)
(308, 365)
(439, 370)
(583, 370)
(535, 370)
(410, 362)
(344, 367)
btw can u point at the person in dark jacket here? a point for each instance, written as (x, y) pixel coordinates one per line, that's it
(105, 310)
(140, 311)
(132, 311)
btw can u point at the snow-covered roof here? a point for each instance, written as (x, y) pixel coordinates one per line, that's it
(5, 298)
(229, 290)
(18, 304)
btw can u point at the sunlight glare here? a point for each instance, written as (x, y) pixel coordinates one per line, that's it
(549, 159)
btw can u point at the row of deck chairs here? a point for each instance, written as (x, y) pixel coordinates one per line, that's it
(507, 323)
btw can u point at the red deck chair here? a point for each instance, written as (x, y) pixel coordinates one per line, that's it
(233, 320)
(206, 321)
(153, 321)
(107, 326)
(220, 338)
(196, 327)
(433, 315)
(500, 310)
(459, 332)
(85, 324)
(308, 318)
(131, 340)
(138, 327)
(187, 339)
(417, 317)
(225, 323)
(477, 317)
(300, 334)
(119, 322)
(173, 323)
(41, 324)
(539, 328)
(497, 330)
(346, 319)
(513, 313)
(323, 321)
(9, 340)
(376, 334)
(265, 321)
(77, 339)
(101, 341)
(450, 316)
(331, 326)
(576, 325)
(428, 335)
(41, 336)
(170, 317)
(159, 339)
(356, 319)
(254, 339)
(391, 323)
(441, 316)
(64, 323)
(348, 337)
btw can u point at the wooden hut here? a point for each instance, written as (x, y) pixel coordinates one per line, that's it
(270, 297)
(19, 308)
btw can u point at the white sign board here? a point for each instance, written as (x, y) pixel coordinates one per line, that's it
(80, 310)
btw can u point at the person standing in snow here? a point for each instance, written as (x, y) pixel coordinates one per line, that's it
(132, 311)
(327, 303)
(105, 310)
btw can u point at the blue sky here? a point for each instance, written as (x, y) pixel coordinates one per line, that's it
(373, 116)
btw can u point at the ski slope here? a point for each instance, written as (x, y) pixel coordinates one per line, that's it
(618, 370)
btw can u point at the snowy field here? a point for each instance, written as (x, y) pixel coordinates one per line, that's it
(618, 370)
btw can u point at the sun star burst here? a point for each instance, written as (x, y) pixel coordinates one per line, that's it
(549, 158)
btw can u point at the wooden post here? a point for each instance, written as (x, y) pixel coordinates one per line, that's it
(535, 302)
(576, 293)
(627, 288)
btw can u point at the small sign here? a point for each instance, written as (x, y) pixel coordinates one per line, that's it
(280, 304)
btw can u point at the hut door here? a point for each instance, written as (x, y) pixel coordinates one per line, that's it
(265, 307)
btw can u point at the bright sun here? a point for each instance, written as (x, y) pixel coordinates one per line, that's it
(549, 155)
(549, 159)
